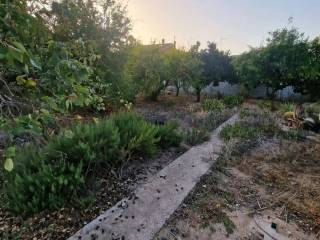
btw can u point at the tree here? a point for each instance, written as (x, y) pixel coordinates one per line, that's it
(247, 69)
(285, 60)
(308, 81)
(195, 70)
(281, 60)
(147, 70)
(216, 64)
(177, 68)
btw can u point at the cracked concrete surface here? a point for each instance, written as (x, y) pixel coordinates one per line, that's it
(142, 215)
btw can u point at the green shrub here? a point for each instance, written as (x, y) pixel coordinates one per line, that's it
(59, 173)
(196, 136)
(254, 123)
(238, 130)
(212, 104)
(233, 101)
(35, 185)
(168, 134)
(286, 107)
(136, 135)
(95, 145)
(214, 119)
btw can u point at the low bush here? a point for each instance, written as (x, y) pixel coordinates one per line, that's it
(95, 145)
(286, 107)
(239, 130)
(214, 119)
(253, 124)
(136, 135)
(59, 173)
(36, 185)
(212, 104)
(233, 101)
(168, 135)
(196, 136)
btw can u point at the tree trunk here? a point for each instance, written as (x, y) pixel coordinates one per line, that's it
(272, 95)
(177, 91)
(198, 92)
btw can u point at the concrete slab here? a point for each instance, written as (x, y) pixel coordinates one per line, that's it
(141, 216)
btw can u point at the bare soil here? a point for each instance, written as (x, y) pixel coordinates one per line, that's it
(270, 192)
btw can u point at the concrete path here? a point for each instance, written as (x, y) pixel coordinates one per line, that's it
(141, 216)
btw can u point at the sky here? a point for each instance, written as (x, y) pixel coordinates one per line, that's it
(232, 24)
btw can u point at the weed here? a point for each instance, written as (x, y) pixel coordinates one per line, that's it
(212, 104)
(239, 130)
(214, 119)
(254, 124)
(233, 101)
(196, 136)
(286, 107)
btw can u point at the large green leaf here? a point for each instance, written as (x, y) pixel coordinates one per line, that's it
(15, 54)
(8, 164)
(35, 64)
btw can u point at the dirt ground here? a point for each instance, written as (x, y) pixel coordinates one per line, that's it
(183, 109)
(270, 192)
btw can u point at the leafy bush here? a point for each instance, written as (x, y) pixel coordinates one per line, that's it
(233, 101)
(136, 135)
(94, 145)
(196, 136)
(168, 134)
(212, 104)
(59, 173)
(36, 185)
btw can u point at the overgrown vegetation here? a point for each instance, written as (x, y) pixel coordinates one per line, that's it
(66, 65)
(253, 124)
(276, 65)
(202, 130)
(60, 172)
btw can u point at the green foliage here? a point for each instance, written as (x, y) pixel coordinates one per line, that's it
(73, 61)
(168, 134)
(35, 124)
(136, 135)
(35, 185)
(9, 154)
(147, 69)
(178, 69)
(209, 65)
(239, 131)
(286, 107)
(196, 136)
(287, 59)
(60, 172)
(214, 119)
(233, 101)
(254, 124)
(94, 145)
(213, 104)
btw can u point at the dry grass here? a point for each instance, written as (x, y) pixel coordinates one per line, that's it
(292, 170)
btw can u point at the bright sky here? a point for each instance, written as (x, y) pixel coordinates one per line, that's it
(232, 24)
